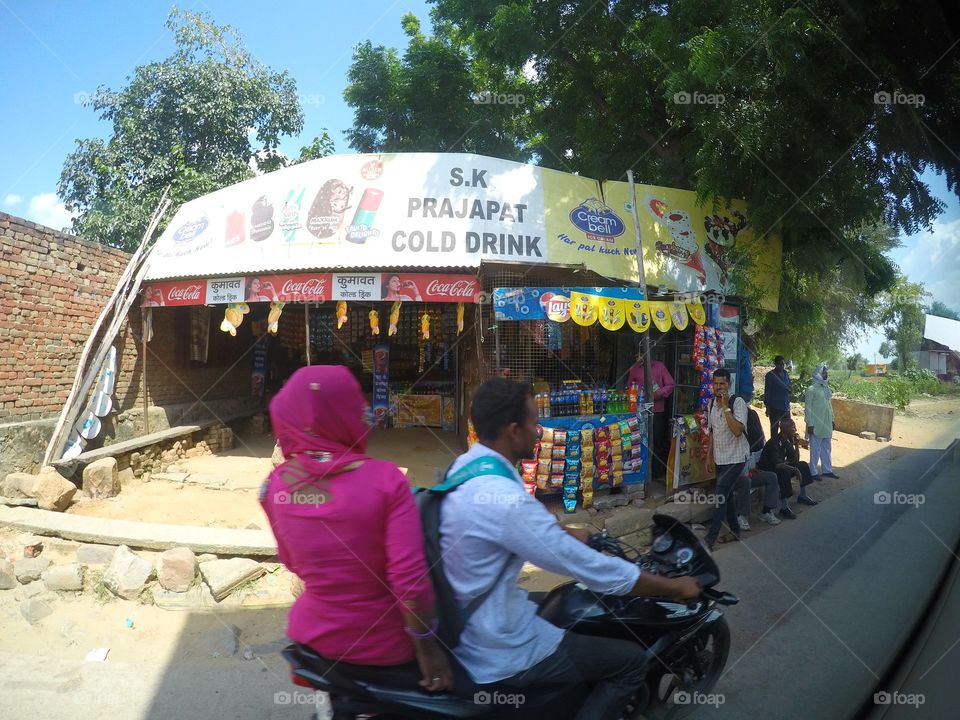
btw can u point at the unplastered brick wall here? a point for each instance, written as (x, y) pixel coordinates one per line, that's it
(52, 288)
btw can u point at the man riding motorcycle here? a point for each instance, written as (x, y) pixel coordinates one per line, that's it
(490, 526)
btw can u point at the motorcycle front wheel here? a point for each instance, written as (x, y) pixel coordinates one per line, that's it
(678, 691)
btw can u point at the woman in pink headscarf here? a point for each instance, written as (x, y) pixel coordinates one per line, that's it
(347, 525)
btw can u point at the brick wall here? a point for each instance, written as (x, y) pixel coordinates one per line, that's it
(52, 288)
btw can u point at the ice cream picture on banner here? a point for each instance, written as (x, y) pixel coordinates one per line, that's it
(290, 214)
(722, 234)
(261, 219)
(683, 250)
(325, 219)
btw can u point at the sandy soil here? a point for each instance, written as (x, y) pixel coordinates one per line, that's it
(420, 452)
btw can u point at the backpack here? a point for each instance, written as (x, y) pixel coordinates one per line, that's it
(754, 429)
(451, 617)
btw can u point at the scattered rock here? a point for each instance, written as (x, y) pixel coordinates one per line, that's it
(17, 502)
(50, 489)
(248, 654)
(197, 597)
(126, 476)
(867, 435)
(222, 642)
(253, 526)
(10, 485)
(882, 439)
(206, 557)
(638, 502)
(31, 590)
(63, 577)
(32, 550)
(127, 574)
(223, 576)
(34, 610)
(176, 569)
(135, 458)
(610, 501)
(30, 569)
(101, 478)
(96, 554)
(8, 579)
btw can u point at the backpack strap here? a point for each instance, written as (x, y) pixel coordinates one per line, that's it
(487, 465)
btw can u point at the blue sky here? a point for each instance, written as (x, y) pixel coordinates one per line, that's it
(54, 54)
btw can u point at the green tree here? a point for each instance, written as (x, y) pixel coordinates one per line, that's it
(942, 310)
(855, 364)
(790, 116)
(208, 116)
(902, 316)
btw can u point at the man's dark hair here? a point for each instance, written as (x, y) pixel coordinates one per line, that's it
(722, 373)
(496, 404)
(778, 360)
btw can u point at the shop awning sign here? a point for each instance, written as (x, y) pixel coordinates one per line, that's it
(315, 288)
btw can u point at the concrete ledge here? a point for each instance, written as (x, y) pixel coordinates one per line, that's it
(149, 536)
(85, 458)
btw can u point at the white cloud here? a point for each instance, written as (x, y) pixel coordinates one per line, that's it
(12, 200)
(46, 209)
(933, 258)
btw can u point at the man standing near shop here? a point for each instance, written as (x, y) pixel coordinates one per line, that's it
(776, 394)
(663, 386)
(727, 453)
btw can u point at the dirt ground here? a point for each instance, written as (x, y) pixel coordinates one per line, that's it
(419, 452)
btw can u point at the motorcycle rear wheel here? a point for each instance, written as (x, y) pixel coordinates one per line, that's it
(693, 677)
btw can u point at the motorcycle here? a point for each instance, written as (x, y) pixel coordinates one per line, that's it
(686, 645)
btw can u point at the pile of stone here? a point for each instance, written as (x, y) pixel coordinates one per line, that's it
(49, 490)
(175, 579)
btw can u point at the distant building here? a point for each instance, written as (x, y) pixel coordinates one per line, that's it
(875, 369)
(940, 349)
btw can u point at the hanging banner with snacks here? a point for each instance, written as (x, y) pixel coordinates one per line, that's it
(583, 305)
(457, 210)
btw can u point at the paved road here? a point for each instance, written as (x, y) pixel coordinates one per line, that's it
(827, 600)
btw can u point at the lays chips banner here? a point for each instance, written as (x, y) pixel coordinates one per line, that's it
(612, 308)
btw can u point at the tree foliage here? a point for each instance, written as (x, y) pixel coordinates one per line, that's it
(792, 118)
(942, 310)
(902, 315)
(208, 116)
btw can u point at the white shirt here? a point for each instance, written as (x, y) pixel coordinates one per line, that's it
(728, 449)
(491, 520)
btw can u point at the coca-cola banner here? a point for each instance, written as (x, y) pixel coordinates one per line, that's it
(315, 288)
(172, 294)
(430, 288)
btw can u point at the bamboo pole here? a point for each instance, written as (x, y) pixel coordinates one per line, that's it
(83, 378)
(306, 325)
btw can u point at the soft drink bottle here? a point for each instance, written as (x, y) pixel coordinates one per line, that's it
(632, 399)
(546, 404)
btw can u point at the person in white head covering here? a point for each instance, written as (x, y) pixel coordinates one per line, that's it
(818, 416)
